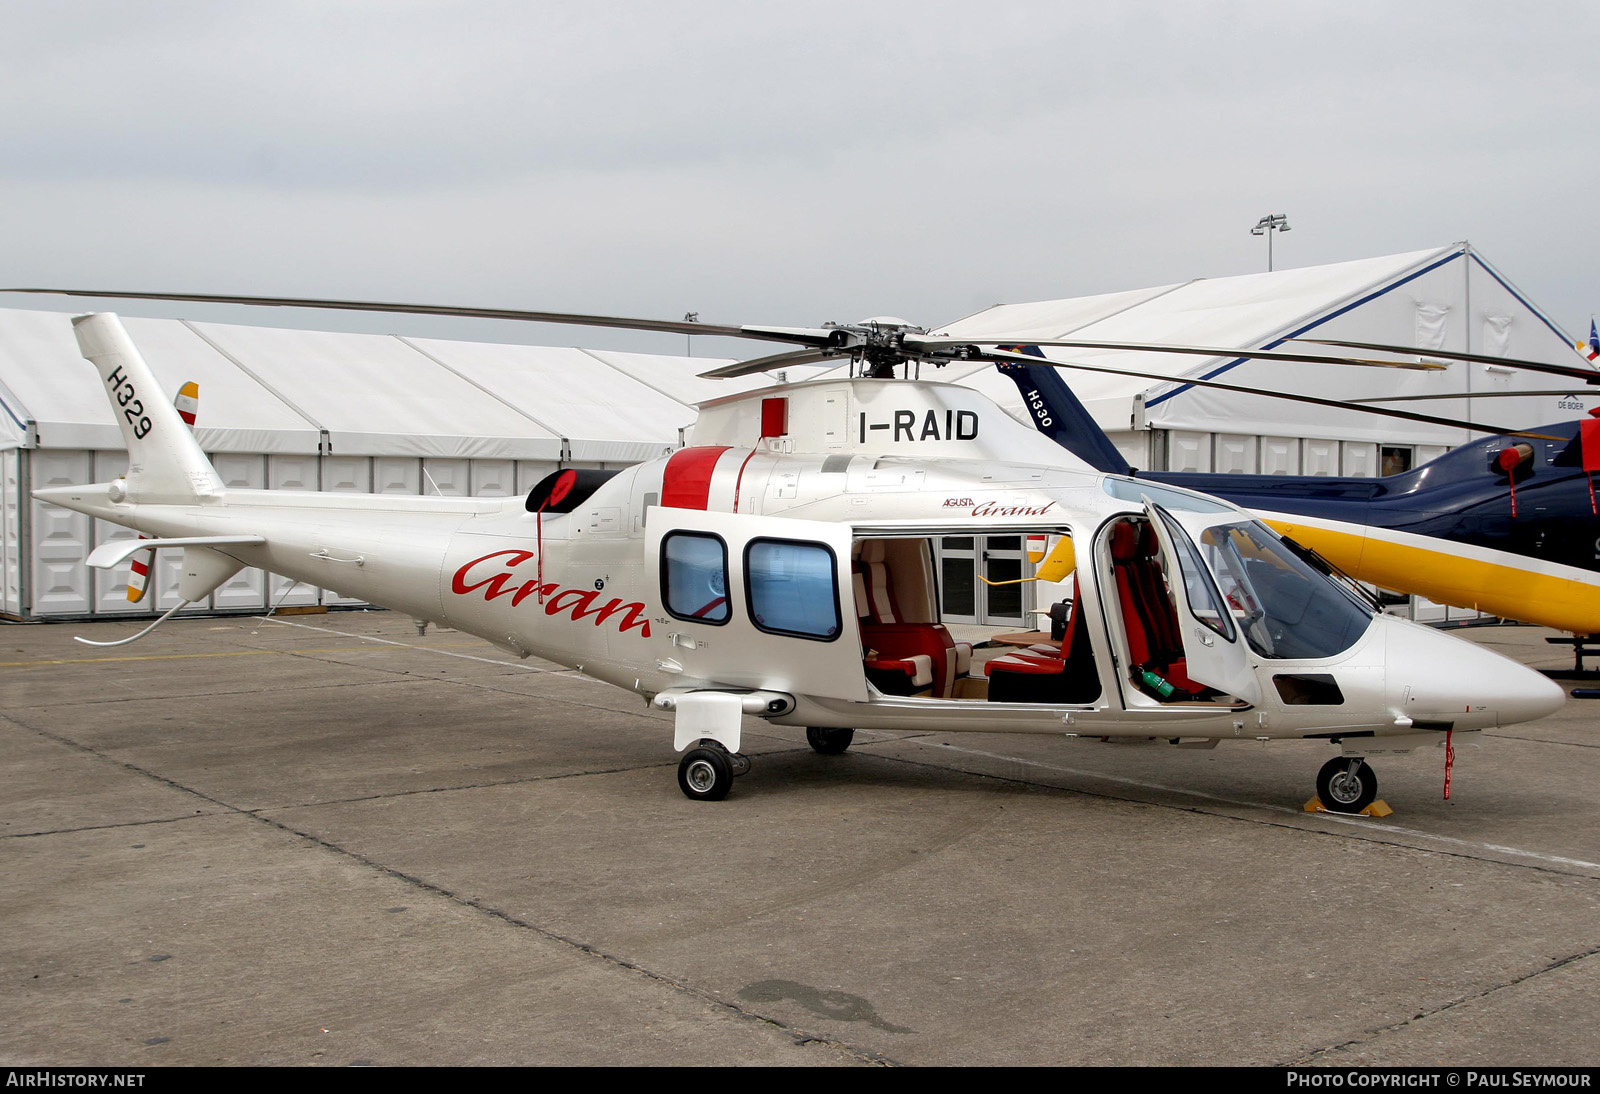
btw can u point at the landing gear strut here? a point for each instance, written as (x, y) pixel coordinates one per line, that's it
(1346, 784)
(707, 771)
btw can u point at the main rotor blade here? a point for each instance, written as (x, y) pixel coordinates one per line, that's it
(1029, 359)
(803, 335)
(1575, 372)
(937, 342)
(764, 364)
(1584, 393)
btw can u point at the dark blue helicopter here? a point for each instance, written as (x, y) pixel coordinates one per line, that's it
(1507, 524)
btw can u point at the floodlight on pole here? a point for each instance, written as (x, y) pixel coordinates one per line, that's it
(1272, 222)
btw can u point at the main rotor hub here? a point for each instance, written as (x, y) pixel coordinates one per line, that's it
(878, 342)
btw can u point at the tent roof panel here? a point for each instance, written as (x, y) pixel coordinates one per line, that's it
(1378, 299)
(1049, 318)
(1249, 310)
(572, 393)
(231, 401)
(377, 395)
(679, 377)
(57, 388)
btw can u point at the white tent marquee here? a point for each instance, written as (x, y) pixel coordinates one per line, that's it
(298, 409)
(1448, 298)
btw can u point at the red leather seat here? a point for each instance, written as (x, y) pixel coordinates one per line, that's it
(1066, 675)
(923, 654)
(1154, 641)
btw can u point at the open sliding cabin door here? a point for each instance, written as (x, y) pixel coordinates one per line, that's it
(1214, 647)
(757, 602)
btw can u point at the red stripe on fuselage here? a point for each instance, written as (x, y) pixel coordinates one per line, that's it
(686, 483)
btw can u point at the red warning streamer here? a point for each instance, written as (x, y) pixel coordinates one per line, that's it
(1449, 761)
(563, 487)
(1589, 445)
(1508, 460)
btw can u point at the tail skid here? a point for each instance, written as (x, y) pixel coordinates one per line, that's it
(170, 612)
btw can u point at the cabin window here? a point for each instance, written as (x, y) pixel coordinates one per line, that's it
(694, 577)
(793, 588)
(1002, 562)
(1395, 460)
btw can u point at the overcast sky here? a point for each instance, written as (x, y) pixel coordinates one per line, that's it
(784, 163)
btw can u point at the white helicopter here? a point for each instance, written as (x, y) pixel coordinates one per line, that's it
(782, 566)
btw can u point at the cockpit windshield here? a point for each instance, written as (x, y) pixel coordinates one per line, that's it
(1287, 609)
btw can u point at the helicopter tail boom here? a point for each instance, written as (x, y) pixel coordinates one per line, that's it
(1463, 574)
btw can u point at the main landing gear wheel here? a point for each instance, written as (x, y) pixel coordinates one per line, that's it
(829, 742)
(1346, 784)
(706, 774)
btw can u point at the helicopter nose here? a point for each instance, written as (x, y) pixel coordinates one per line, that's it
(1435, 677)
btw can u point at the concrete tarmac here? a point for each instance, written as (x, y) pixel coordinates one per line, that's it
(325, 840)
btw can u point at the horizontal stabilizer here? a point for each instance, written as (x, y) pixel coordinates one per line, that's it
(108, 555)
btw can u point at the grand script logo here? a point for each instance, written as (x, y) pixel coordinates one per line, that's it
(996, 509)
(580, 603)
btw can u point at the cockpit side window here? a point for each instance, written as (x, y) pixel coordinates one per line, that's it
(1204, 600)
(1288, 610)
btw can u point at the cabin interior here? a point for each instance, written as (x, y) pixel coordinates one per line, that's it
(907, 651)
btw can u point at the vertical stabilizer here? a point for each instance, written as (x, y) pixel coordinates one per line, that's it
(1059, 415)
(165, 463)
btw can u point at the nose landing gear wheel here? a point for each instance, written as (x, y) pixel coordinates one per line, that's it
(705, 774)
(829, 742)
(1346, 784)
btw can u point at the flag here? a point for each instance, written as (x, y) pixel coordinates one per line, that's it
(1591, 349)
